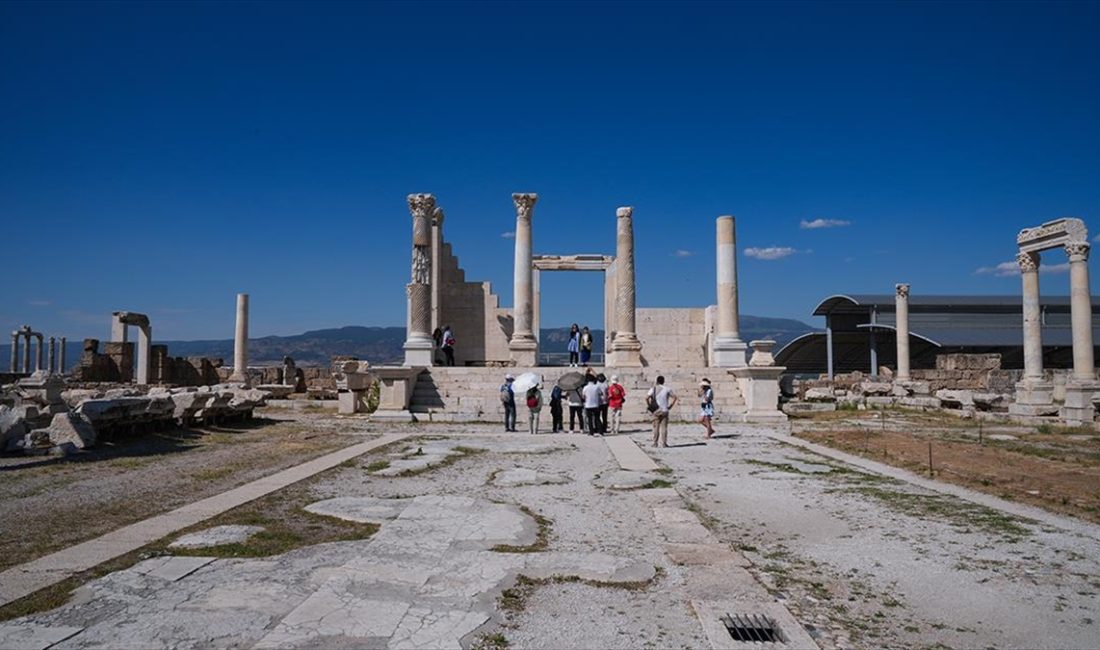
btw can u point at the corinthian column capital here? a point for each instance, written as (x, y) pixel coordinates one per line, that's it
(624, 212)
(421, 205)
(1078, 251)
(1029, 262)
(902, 290)
(525, 204)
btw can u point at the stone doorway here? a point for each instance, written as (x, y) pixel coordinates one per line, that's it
(554, 353)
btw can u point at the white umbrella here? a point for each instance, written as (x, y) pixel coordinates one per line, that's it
(526, 382)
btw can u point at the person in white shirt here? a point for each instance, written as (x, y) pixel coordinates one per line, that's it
(665, 399)
(591, 394)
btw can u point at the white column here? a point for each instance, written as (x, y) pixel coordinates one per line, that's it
(240, 342)
(1080, 305)
(626, 348)
(902, 330)
(1033, 327)
(523, 345)
(26, 350)
(418, 340)
(50, 356)
(729, 349)
(38, 338)
(15, 352)
(61, 357)
(145, 359)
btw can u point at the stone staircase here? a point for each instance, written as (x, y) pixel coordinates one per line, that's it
(469, 394)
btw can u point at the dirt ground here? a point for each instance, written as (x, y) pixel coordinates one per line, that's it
(1053, 468)
(50, 502)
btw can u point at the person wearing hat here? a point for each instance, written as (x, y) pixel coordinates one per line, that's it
(616, 395)
(706, 406)
(508, 400)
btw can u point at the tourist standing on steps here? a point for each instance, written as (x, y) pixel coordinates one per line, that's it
(556, 422)
(437, 339)
(601, 384)
(508, 399)
(534, 407)
(574, 346)
(592, 406)
(449, 345)
(664, 399)
(586, 345)
(706, 406)
(616, 395)
(576, 408)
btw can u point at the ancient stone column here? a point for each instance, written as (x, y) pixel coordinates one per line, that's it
(144, 351)
(26, 349)
(901, 329)
(626, 348)
(15, 352)
(38, 351)
(50, 357)
(61, 357)
(524, 346)
(240, 341)
(1080, 307)
(1033, 327)
(418, 339)
(729, 350)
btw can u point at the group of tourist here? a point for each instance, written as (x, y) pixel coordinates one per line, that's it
(597, 406)
(579, 346)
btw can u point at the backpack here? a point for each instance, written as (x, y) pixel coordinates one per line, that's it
(532, 401)
(651, 400)
(449, 341)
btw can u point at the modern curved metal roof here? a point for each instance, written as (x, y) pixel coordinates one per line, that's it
(858, 303)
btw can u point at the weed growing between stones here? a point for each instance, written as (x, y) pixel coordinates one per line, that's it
(542, 537)
(494, 641)
(961, 514)
(514, 599)
(656, 483)
(378, 465)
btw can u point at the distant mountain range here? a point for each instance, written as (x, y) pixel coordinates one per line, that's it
(381, 345)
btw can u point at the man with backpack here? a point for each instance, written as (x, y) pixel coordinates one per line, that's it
(659, 401)
(508, 399)
(534, 407)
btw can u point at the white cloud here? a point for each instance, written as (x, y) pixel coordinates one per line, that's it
(511, 234)
(1096, 238)
(770, 253)
(39, 303)
(679, 252)
(1009, 269)
(823, 223)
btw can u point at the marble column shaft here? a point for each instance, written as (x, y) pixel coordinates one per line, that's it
(729, 324)
(901, 330)
(50, 356)
(38, 352)
(26, 352)
(624, 274)
(15, 352)
(418, 340)
(523, 300)
(1033, 327)
(1080, 305)
(61, 357)
(240, 340)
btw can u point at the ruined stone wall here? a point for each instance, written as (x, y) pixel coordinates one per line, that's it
(309, 378)
(673, 337)
(481, 328)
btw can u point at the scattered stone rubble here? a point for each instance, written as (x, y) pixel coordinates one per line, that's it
(38, 416)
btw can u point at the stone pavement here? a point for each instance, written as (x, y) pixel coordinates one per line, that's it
(25, 579)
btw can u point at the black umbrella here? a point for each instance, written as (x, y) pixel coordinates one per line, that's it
(571, 381)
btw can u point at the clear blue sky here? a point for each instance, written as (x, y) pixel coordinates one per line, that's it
(161, 157)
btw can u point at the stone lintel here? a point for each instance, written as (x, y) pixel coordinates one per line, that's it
(1052, 234)
(572, 262)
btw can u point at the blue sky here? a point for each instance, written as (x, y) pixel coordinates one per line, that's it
(161, 157)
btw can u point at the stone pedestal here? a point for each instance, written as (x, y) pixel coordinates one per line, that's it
(353, 382)
(626, 349)
(759, 384)
(395, 392)
(1078, 409)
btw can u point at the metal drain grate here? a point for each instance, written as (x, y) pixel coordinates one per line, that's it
(752, 628)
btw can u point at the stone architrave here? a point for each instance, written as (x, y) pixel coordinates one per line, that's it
(240, 341)
(729, 350)
(418, 346)
(901, 329)
(524, 346)
(626, 349)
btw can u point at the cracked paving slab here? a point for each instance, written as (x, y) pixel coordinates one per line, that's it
(428, 578)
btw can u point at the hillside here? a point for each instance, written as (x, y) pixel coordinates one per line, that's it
(383, 344)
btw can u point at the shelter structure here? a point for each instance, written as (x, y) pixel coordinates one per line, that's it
(860, 331)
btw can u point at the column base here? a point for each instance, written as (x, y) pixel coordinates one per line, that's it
(235, 378)
(730, 353)
(1034, 392)
(524, 351)
(626, 352)
(1078, 409)
(419, 352)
